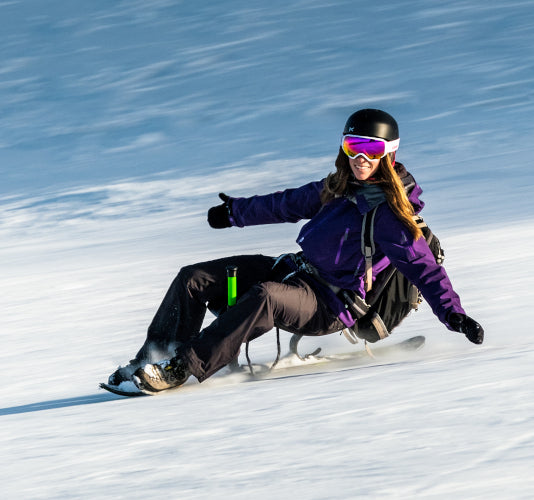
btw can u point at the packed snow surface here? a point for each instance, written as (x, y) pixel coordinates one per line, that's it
(120, 123)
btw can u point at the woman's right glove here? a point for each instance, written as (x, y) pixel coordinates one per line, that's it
(219, 216)
(466, 325)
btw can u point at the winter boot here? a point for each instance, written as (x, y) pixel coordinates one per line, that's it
(161, 376)
(124, 373)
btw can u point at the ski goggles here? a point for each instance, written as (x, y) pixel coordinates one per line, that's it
(372, 148)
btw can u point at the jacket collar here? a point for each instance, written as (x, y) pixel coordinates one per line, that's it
(364, 195)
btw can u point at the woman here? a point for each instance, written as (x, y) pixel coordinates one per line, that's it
(303, 293)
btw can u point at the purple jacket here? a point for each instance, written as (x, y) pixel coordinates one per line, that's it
(331, 240)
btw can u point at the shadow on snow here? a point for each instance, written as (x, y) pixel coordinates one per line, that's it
(60, 403)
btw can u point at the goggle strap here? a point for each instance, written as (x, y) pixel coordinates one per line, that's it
(392, 146)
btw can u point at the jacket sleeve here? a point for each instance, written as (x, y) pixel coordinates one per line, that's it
(415, 260)
(290, 205)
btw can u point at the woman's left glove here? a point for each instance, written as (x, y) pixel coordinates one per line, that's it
(466, 325)
(219, 216)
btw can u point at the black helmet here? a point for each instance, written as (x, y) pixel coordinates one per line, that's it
(372, 123)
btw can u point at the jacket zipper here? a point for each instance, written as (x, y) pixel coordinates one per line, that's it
(341, 242)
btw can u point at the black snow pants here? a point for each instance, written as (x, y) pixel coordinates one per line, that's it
(263, 302)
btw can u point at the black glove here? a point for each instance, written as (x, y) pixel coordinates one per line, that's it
(466, 325)
(219, 216)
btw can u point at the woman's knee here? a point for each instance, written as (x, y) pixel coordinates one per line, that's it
(187, 274)
(196, 276)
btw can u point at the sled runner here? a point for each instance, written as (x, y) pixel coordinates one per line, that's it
(291, 365)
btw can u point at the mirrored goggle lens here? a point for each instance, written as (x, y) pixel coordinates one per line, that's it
(372, 148)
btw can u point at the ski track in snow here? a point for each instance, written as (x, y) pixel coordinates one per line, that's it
(121, 123)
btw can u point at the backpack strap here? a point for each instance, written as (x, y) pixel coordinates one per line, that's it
(419, 221)
(368, 246)
(368, 242)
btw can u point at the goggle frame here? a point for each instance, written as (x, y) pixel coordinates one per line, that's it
(389, 146)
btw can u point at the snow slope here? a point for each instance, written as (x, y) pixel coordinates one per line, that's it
(120, 124)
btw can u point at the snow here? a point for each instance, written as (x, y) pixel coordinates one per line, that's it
(120, 124)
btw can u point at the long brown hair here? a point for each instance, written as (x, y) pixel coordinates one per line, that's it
(336, 184)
